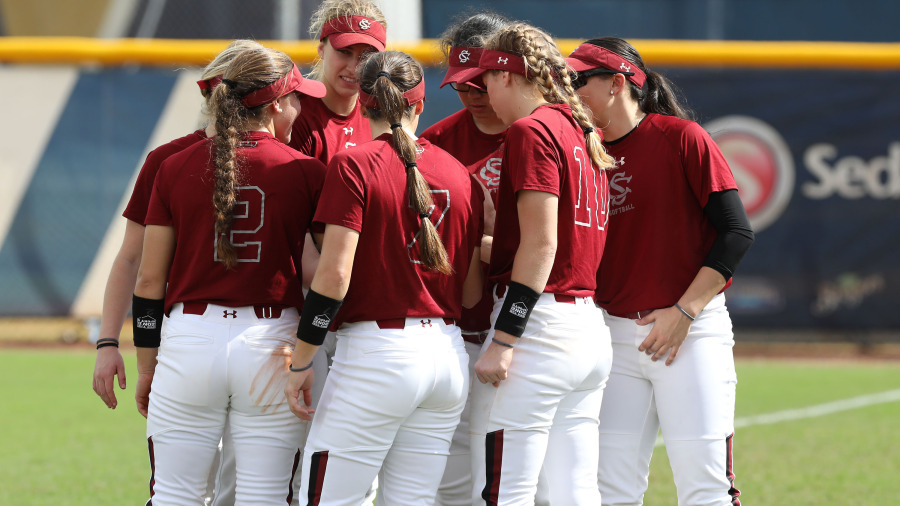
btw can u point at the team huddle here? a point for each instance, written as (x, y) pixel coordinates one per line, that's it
(329, 309)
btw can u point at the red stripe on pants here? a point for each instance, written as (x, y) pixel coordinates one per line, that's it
(729, 470)
(318, 463)
(493, 454)
(152, 469)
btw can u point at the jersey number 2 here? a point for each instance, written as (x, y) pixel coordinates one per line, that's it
(249, 212)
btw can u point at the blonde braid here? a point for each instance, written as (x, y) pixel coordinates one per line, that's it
(592, 140)
(547, 64)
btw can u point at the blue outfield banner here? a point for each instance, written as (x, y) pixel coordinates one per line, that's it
(816, 154)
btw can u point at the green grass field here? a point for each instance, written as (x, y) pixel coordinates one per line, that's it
(62, 446)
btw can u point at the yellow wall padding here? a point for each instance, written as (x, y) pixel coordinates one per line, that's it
(52, 17)
(684, 53)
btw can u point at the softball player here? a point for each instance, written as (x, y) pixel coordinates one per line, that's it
(398, 383)
(123, 274)
(231, 303)
(346, 30)
(674, 200)
(473, 136)
(544, 365)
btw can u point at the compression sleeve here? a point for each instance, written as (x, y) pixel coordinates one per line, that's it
(726, 212)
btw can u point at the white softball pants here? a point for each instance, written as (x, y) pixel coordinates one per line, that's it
(692, 400)
(545, 412)
(226, 362)
(456, 484)
(392, 400)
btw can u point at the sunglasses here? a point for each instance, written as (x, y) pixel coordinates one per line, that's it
(580, 79)
(465, 88)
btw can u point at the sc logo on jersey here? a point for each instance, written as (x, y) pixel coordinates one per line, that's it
(762, 165)
(618, 191)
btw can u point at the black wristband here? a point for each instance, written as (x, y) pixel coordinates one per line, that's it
(147, 321)
(107, 341)
(318, 313)
(516, 310)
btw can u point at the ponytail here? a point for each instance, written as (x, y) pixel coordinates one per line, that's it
(251, 70)
(227, 106)
(386, 76)
(658, 96)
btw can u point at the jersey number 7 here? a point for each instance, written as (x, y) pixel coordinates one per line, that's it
(440, 205)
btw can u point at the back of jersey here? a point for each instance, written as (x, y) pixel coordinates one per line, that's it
(365, 190)
(276, 194)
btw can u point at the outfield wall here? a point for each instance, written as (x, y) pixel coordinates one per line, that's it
(812, 132)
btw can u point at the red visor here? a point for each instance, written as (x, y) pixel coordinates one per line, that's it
(208, 84)
(292, 81)
(344, 31)
(462, 59)
(414, 95)
(494, 60)
(589, 56)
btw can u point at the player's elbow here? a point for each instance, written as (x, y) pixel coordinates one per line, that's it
(150, 286)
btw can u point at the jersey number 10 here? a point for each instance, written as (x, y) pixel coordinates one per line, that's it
(592, 202)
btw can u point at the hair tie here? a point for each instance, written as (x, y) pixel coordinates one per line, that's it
(231, 84)
(397, 125)
(588, 130)
(410, 165)
(382, 73)
(425, 216)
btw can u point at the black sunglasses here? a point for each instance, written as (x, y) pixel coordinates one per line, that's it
(580, 79)
(465, 88)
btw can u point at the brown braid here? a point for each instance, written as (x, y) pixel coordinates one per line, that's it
(547, 71)
(405, 73)
(251, 69)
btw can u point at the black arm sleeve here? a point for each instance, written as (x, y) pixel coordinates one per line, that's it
(726, 212)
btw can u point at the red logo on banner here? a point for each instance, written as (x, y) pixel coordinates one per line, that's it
(762, 165)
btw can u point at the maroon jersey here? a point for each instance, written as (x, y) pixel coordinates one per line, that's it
(320, 133)
(665, 170)
(481, 154)
(277, 193)
(365, 190)
(546, 152)
(487, 171)
(136, 210)
(458, 135)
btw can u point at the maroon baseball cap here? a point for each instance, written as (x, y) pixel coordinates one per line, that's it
(344, 31)
(588, 56)
(292, 81)
(461, 60)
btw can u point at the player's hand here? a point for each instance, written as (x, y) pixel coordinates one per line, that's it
(108, 365)
(142, 392)
(297, 383)
(493, 364)
(670, 328)
(490, 214)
